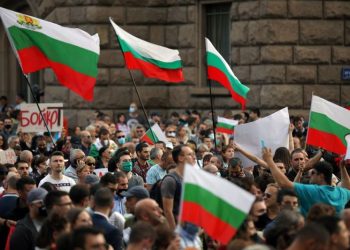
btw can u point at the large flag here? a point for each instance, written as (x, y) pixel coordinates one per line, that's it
(153, 135)
(213, 203)
(272, 130)
(226, 126)
(153, 60)
(72, 54)
(219, 71)
(329, 125)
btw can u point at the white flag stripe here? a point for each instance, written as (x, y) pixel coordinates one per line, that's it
(159, 133)
(72, 36)
(227, 121)
(220, 187)
(333, 111)
(147, 49)
(347, 155)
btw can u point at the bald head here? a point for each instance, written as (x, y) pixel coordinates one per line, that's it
(148, 210)
(211, 168)
(26, 156)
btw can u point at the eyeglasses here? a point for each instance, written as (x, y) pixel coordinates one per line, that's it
(90, 164)
(122, 136)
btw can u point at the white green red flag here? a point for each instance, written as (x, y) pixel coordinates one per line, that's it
(218, 70)
(71, 53)
(226, 126)
(213, 203)
(153, 135)
(329, 125)
(153, 60)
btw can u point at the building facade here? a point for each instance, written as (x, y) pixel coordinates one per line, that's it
(284, 50)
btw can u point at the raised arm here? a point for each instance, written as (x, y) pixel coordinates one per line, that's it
(290, 137)
(317, 157)
(250, 156)
(345, 179)
(277, 174)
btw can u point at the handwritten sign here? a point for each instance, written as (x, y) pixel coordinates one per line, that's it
(31, 119)
(7, 156)
(101, 171)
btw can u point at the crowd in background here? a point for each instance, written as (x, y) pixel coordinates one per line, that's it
(101, 187)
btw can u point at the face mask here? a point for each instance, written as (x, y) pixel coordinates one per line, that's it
(171, 134)
(127, 166)
(105, 142)
(121, 191)
(132, 109)
(211, 136)
(42, 211)
(121, 141)
(8, 126)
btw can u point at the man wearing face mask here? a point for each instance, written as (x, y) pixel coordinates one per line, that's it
(133, 117)
(102, 141)
(119, 199)
(27, 229)
(9, 129)
(120, 138)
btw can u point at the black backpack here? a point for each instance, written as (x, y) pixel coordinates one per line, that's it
(156, 193)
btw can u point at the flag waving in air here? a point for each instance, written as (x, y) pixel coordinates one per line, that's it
(153, 135)
(226, 126)
(329, 125)
(153, 60)
(72, 54)
(213, 203)
(218, 70)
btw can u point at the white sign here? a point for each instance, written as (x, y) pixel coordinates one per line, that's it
(272, 131)
(31, 119)
(8, 156)
(101, 171)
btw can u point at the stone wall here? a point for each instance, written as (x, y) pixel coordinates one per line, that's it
(282, 49)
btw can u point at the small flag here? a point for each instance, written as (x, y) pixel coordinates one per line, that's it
(156, 136)
(72, 54)
(213, 203)
(220, 71)
(226, 126)
(329, 125)
(153, 60)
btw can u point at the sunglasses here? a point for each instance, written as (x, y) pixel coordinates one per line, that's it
(90, 164)
(122, 136)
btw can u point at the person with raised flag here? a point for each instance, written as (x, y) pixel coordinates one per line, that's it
(218, 70)
(329, 125)
(72, 54)
(152, 60)
(215, 204)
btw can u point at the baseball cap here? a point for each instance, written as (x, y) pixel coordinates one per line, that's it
(35, 195)
(137, 191)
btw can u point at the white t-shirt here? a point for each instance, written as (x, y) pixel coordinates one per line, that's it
(64, 184)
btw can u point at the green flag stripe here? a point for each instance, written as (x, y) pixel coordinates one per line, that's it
(225, 125)
(213, 204)
(152, 136)
(164, 65)
(323, 123)
(213, 60)
(77, 58)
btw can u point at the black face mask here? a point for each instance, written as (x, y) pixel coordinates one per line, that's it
(8, 126)
(121, 191)
(42, 212)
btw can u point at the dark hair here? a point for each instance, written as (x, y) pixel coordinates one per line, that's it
(235, 161)
(255, 110)
(282, 155)
(284, 192)
(20, 162)
(78, 193)
(48, 186)
(176, 152)
(103, 131)
(120, 174)
(141, 146)
(54, 223)
(237, 117)
(296, 151)
(320, 210)
(323, 167)
(57, 153)
(108, 178)
(112, 163)
(53, 198)
(79, 236)
(73, 214)
(141, 231)
(25, 180)
(102, 150)
(39, 159)
(103, 197)
(4, 145)
(330, 223)
(313, 231)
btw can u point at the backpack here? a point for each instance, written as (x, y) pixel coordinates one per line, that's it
(156, 193)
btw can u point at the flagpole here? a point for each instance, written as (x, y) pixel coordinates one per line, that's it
(307, 134)
(137, 92)
(212, 115)
(41, 113)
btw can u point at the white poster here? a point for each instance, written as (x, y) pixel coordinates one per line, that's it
(31, 119)
(271, 131)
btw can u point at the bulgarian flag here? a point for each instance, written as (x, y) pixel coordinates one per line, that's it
(153, 135)
(226, 126)
(153, 60)
(220, 71)
(213, 203)
(72, 54)
(329, 125)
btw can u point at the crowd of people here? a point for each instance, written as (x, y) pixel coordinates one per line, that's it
(102, 187)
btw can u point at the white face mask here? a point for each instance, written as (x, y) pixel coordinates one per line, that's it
(132, 109)
(105, 142)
